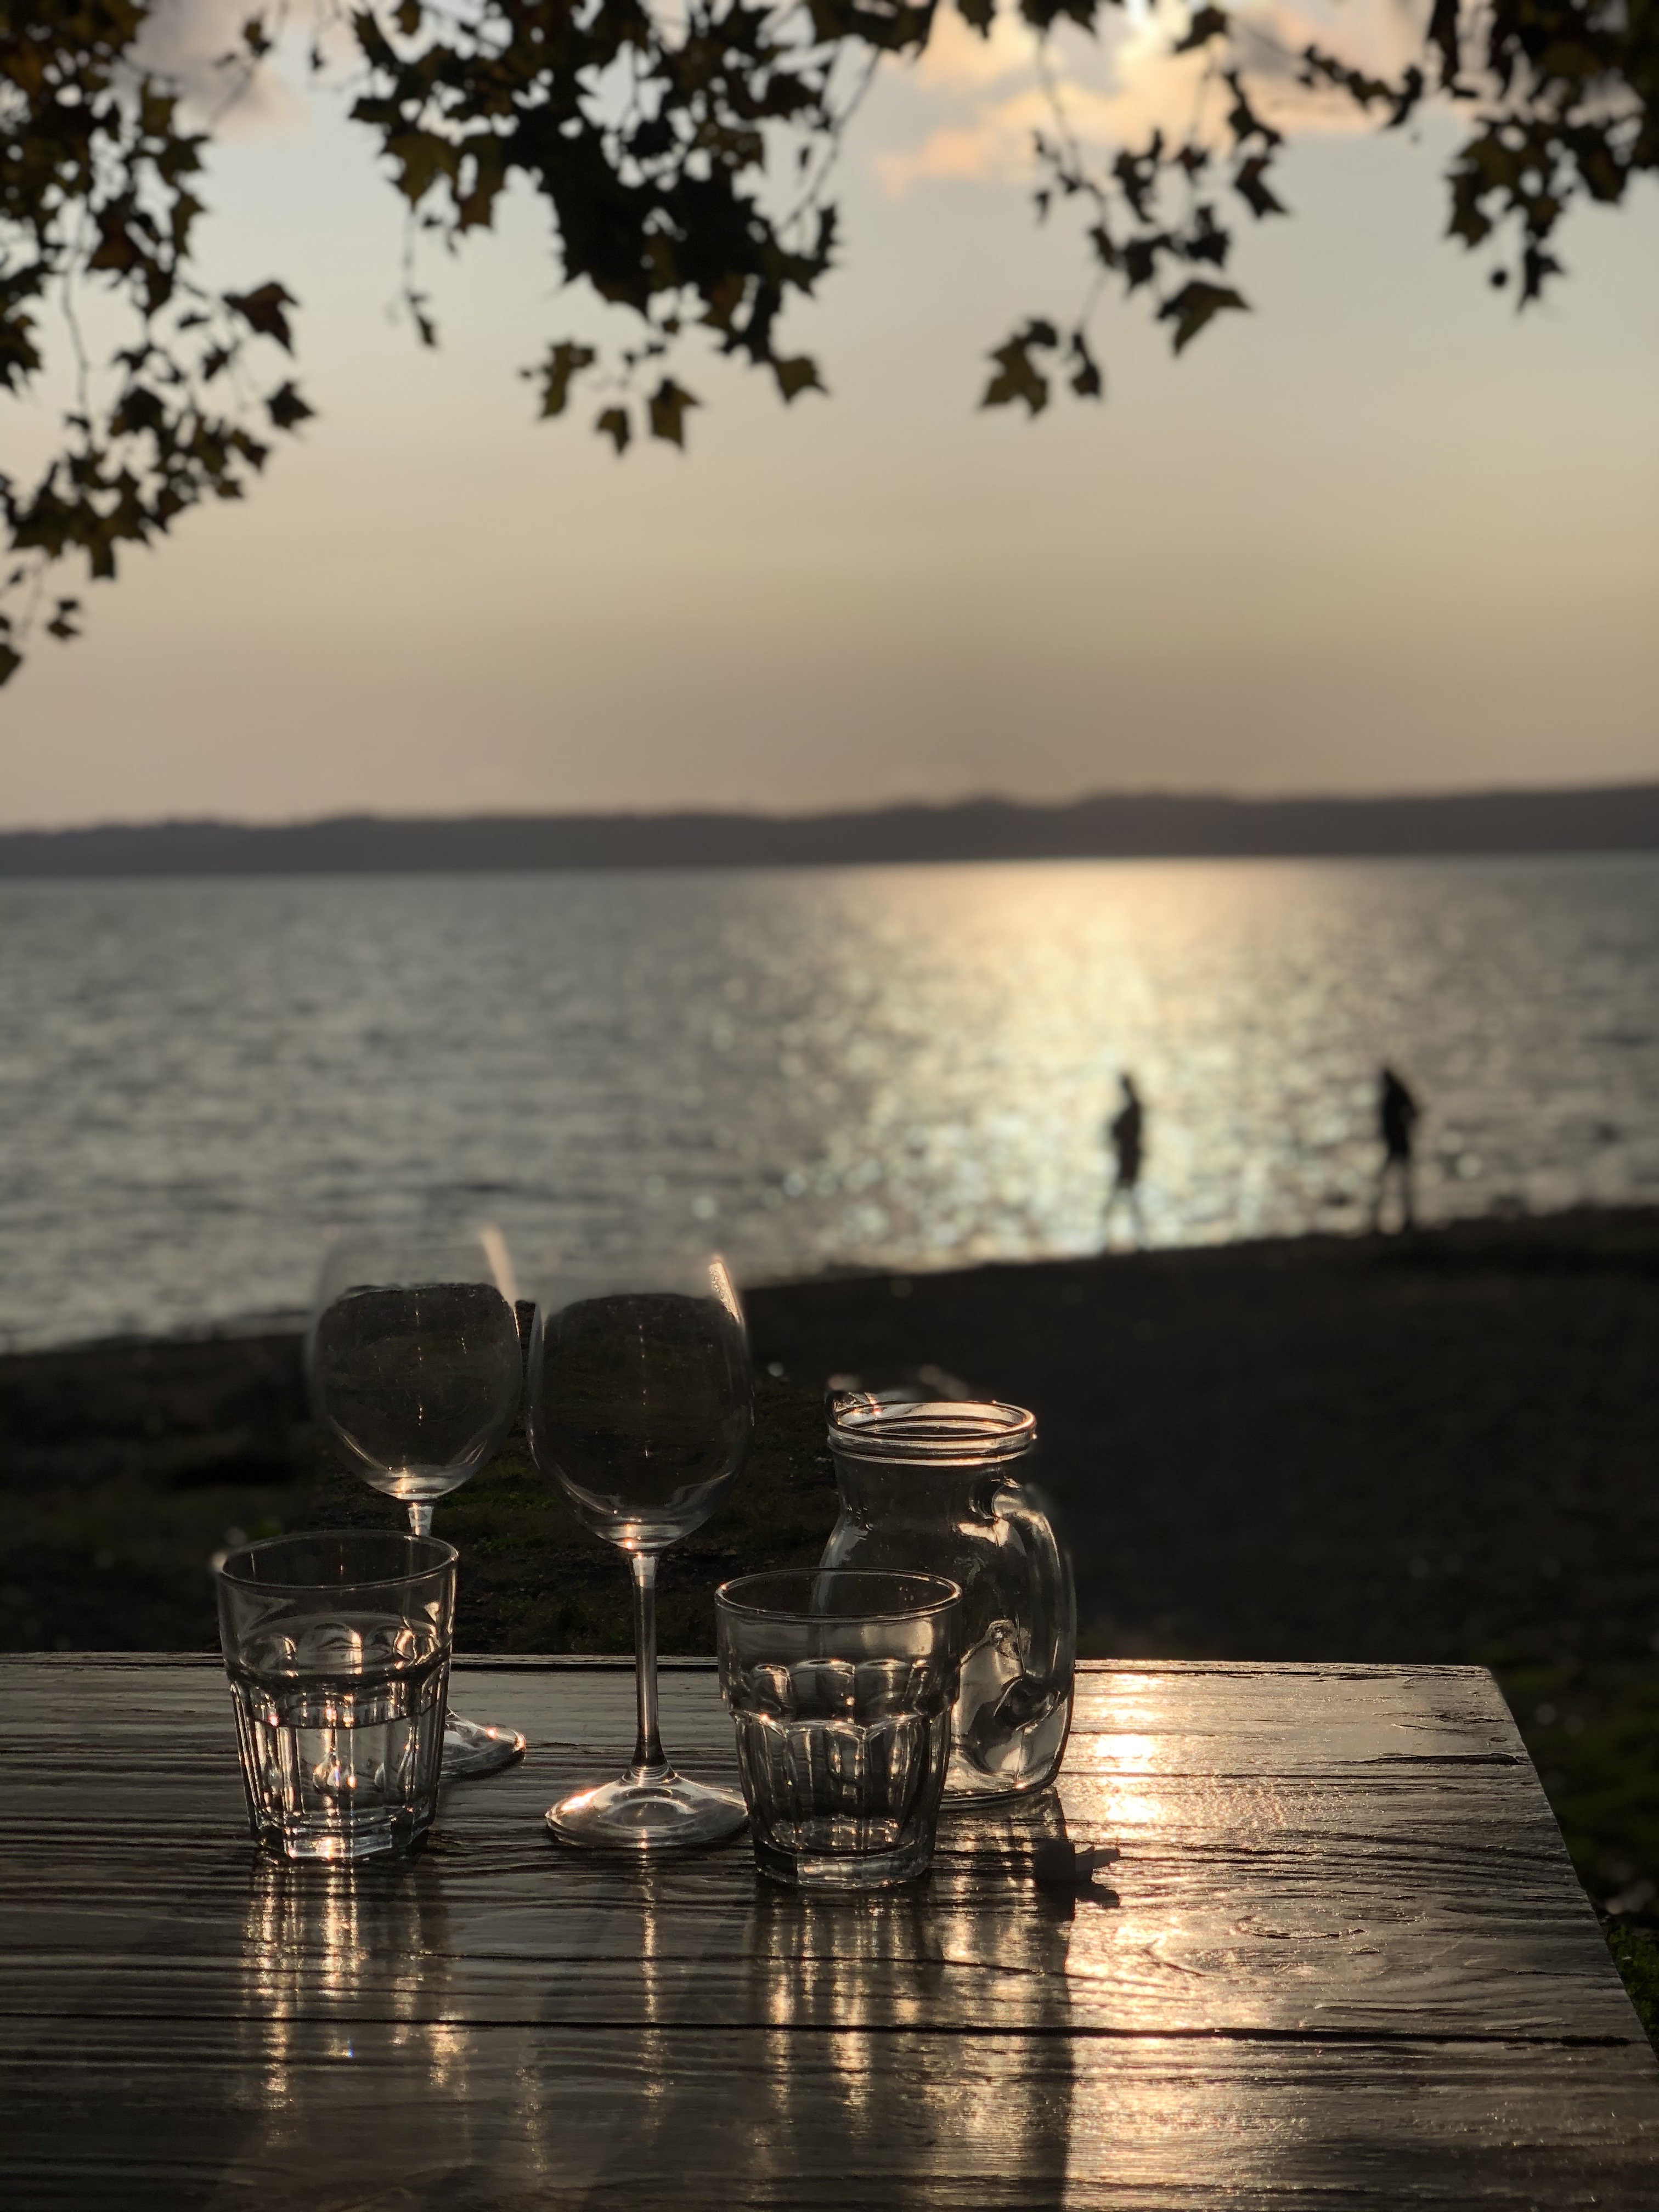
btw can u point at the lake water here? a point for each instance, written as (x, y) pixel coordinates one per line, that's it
(903, 1067)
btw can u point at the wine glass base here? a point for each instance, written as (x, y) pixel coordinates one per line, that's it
(647, 1809)
(475, 1748)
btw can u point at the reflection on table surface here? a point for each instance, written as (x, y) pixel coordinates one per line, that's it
(1341, 1952)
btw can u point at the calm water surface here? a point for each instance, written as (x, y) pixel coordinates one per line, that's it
(905, 1067)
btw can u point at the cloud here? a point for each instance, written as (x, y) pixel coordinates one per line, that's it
(188, 40)
(958, 59)
(1115, 87)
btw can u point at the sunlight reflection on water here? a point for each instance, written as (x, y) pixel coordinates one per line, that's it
(903, 1067)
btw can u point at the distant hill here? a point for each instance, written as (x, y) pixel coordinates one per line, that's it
(1140, 826)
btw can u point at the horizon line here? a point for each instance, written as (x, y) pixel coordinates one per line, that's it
(853, 811)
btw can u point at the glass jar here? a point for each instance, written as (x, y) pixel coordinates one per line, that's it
(942, 1489)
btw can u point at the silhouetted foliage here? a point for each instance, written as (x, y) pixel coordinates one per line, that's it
(684, 153)
(96, 183)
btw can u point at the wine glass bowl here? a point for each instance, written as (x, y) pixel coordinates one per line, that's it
(641, 1408)
(416, 1382)
(415, 1369)
(644, 1410)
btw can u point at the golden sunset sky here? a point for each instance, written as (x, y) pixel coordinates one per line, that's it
(1380, 534)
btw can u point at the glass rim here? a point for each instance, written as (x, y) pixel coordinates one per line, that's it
(947, 1594)
(930, 1431)
(417, 1241)
(266, 1585)
(699, 1272)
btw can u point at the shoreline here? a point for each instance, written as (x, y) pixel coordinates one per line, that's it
(1509, 1233)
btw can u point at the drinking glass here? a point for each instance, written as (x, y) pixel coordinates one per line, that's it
(841, 1687)
(416, 1368)
(641, 1408)
(338, 1648)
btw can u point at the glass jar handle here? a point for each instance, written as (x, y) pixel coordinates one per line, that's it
(1053, 1654)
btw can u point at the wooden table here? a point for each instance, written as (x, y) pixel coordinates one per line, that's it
(1343, 1962)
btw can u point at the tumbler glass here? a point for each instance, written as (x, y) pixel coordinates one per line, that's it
(841, 1687)
(338, 1648)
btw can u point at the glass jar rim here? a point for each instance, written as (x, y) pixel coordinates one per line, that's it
(426, 1555)
(870, 1424)
(735, 1596)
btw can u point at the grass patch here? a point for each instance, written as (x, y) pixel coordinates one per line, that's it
(1636, 1954)
(1592, 1730)
(109, 1546)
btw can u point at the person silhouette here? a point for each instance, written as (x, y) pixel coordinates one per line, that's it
(1126, 1133)
(1397, 1113)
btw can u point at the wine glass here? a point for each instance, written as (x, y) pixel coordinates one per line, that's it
(641, 1408)
(415, 1369)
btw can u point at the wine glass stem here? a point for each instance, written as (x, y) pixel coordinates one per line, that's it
(648, 1748)
(420, 1519)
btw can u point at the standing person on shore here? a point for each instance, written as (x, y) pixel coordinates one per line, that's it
(1126, 1133)
(1397, 1112)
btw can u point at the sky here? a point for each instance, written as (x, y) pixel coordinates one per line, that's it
(1380, 534)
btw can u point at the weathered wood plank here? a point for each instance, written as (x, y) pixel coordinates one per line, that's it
(388, 2118)
(1424, 1886)
(1347, 1963)
(1341, 1944)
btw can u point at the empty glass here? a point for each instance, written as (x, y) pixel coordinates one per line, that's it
(641, 1408)
(416, 1371)
(840, 1688)
(338, 1648)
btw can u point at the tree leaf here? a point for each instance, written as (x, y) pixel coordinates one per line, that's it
(615, 425)
(116, 250)
(1138, 257)
(1442, 36)
(139, 409)
(1207, 23)
(1087, 381)
(422, 157)
(1018, 375)
(1205, 240)
(1536, 268)
(1196, 304)
(286, 408)
(376, 48)
(667, 409)
(1248, 184)
(564, 362)
(797, 375)
(262, 311)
